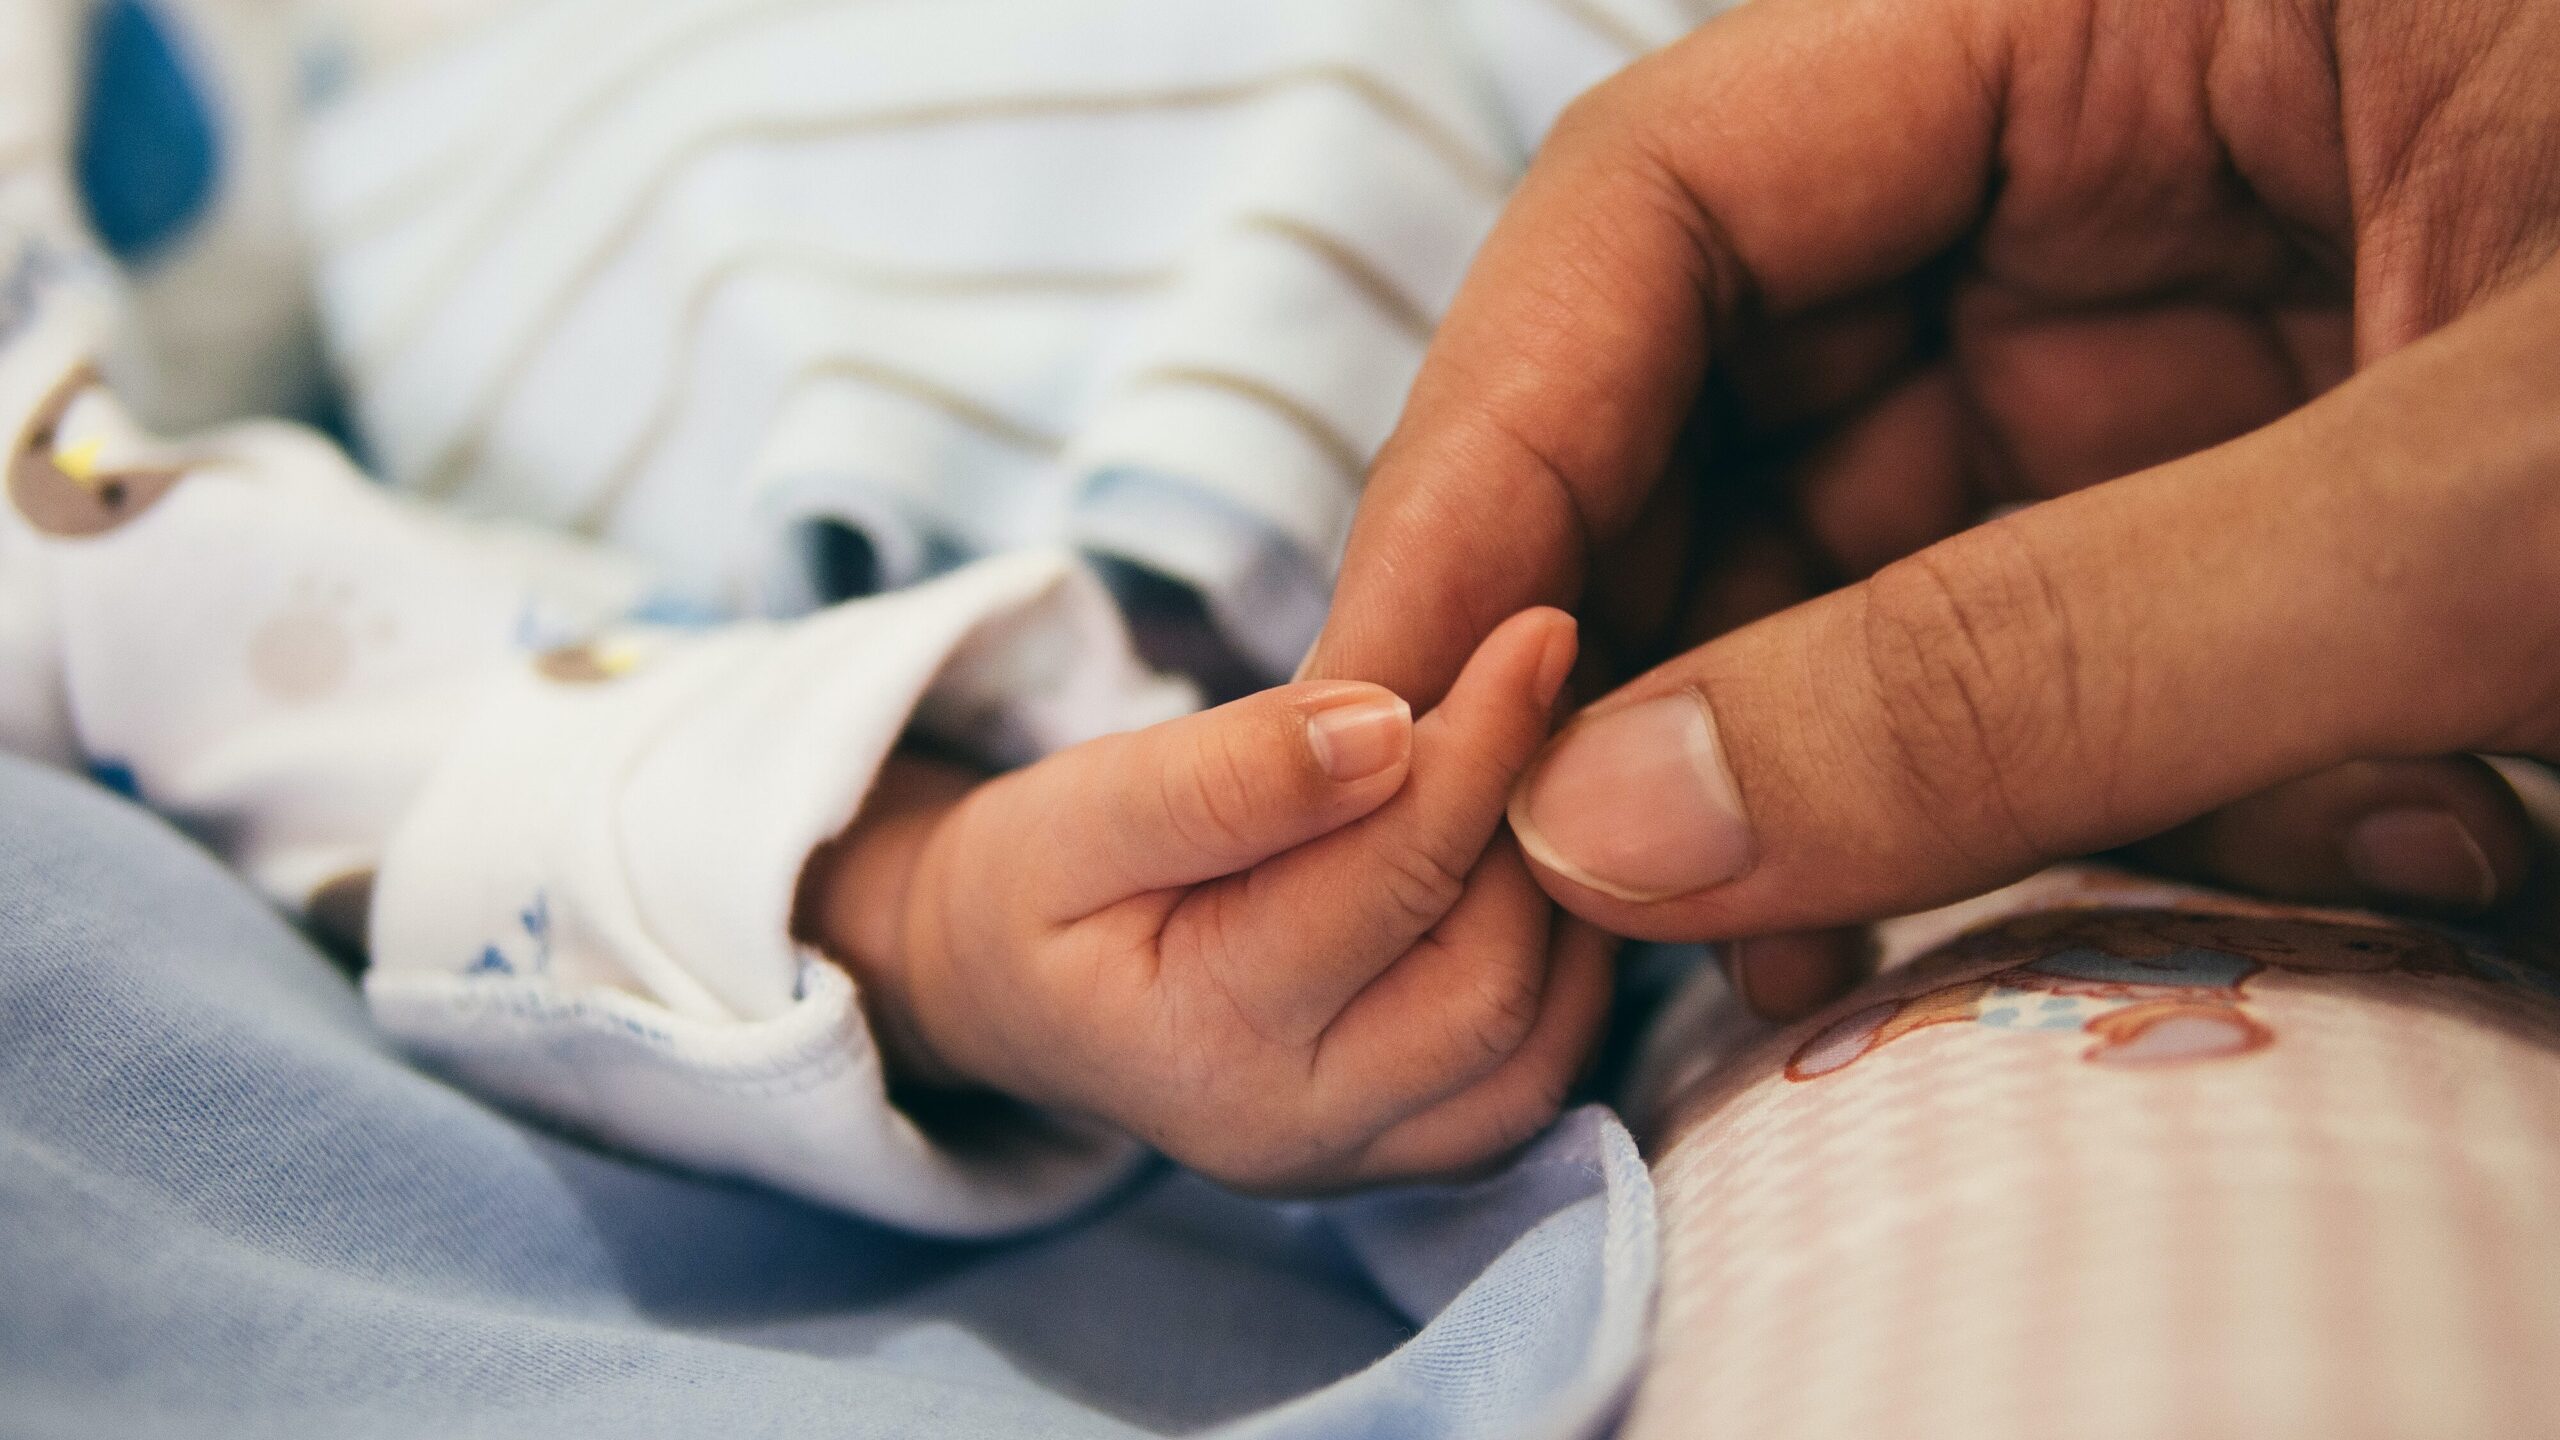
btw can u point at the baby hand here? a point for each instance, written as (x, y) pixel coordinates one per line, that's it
(1284, 941)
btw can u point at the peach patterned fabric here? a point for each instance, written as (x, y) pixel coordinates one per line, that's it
(2136, 1162)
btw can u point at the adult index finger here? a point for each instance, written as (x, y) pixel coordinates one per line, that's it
(1791, 152)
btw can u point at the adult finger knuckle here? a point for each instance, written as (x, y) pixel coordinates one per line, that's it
(1632, 135)
(1980, 688)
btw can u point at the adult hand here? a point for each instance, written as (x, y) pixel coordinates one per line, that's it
(1886, 264)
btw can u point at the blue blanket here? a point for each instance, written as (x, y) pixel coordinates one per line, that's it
(228, 1209)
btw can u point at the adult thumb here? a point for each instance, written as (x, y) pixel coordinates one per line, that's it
(2351, 582)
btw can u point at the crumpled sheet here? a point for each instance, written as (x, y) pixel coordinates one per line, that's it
(227, 1208)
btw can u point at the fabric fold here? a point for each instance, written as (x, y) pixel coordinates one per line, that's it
(587, 911)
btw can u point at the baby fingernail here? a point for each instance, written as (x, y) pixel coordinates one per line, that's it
(1357, 739)
(2421, 854)
(1555, 665)
(1637, 803)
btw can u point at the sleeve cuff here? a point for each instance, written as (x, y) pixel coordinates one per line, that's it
(587, 913)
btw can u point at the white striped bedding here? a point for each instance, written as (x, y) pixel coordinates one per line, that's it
(690, 273)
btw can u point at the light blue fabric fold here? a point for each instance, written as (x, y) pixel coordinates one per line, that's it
(228, 1209)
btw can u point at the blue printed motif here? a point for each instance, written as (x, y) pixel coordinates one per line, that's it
(535, 921)
(2150, 987)
(117, 776)
(148, 155)
(636, 1030)
(674, 612)
(2008, 1007)
(2019, 1002)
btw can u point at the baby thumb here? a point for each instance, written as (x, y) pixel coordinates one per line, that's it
(1214, 793)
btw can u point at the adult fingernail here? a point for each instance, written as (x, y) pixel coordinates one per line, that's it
(1359, 738)
(2425, 855)
(1637, 803)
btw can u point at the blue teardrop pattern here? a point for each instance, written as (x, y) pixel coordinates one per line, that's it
(149, 152)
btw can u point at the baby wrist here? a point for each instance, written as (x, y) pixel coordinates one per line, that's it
(858, 896)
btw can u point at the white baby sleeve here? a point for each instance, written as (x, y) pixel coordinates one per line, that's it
(586, 852)
(588, 910)
(581, 840)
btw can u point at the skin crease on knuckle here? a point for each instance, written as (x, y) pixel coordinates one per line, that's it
(1228, 1127)
(1313, 1141)
(1496, 1015)
(1194, 951)
(1416, 887)
(2449, 97)
(1172, 1065)
(1461, 1032)
(1976, 683)
(1216, 815)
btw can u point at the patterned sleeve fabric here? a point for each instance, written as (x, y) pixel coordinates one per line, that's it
(2116, 1158)
(578, 833)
